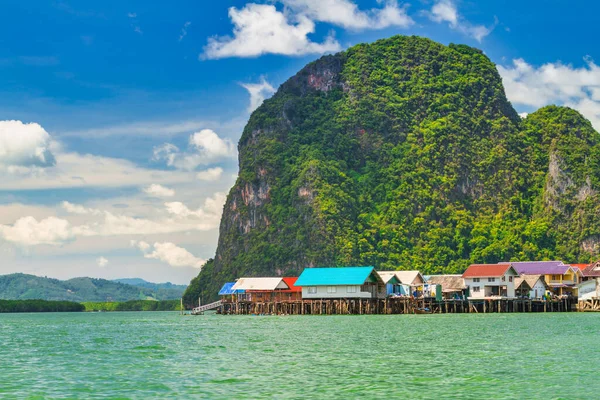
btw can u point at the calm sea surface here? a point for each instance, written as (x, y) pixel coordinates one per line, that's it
(151, 355)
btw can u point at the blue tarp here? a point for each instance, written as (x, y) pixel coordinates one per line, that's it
(336, 276)
(227, 289)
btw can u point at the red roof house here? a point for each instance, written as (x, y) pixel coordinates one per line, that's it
(293, 293)
(590, 271)
(490, 280)
(487, 270)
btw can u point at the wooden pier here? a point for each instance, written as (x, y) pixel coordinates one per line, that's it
(394, 306)
(589, 305)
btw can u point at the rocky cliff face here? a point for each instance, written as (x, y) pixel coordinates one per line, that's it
(404, 153)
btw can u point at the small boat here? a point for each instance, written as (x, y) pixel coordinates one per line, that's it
(422, 311)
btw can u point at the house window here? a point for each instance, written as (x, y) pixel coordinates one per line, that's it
(510, 278)
(312, 289)
(475, 279)
(503, 279)
(475, 289)
(491, 279)
(331, 289)
(351, 289)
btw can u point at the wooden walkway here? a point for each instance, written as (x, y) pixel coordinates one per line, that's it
(206, 307)
(394, 306)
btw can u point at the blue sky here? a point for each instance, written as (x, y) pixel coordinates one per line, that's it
(119, 120)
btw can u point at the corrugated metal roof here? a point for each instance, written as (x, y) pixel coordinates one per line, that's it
(408, 277)
(540, 267)
(530, 280)
(388, 277)
(336, 276)
(291, 282)
(227, 289)
(250, 284)
(592, 270)
(485, 270)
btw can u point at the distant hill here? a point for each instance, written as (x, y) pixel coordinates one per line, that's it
(165, 290)
(24, 287)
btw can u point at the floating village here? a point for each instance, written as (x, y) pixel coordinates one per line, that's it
(531, 286)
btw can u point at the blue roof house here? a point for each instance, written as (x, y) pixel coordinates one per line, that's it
(227, 291)
(341, 282)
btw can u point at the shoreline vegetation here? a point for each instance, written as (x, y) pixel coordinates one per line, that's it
(133, 305)
(26, 306)
(38, 306)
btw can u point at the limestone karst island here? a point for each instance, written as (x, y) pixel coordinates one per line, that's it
(405, 154)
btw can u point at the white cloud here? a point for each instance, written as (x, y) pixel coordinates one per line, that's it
(102, 262)
(155, 190)
(28, 231)
(147, 128)
(79, 209)
(143, 246)
(74, 170)
(169, 253)
(24, 145)
(346, 13)
(134, 25)
(184, 30)
(258, 93)
(555, 83)
(261, 29)
(209, 214)
(210, 174)
(209, 144)
(204, 147)
(446, 11)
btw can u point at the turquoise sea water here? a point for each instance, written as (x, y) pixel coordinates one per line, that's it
(152, 355)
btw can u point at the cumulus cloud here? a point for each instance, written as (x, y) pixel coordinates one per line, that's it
(28, 231)
(140, 244)
(210, 174)
(102, 262)
(24, 145)
(262, 29)
(213, 206)
(346, 13)
(258, 93)
(446, 11)
(555, 83)
(156, 190)
(79, 209)
(169, 253)
(204, 147)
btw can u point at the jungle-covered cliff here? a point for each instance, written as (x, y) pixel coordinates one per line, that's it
(405, 154)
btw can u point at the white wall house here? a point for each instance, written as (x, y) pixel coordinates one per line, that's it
(589, 289)
(490, 280)
(335, 292)
(535, 283)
